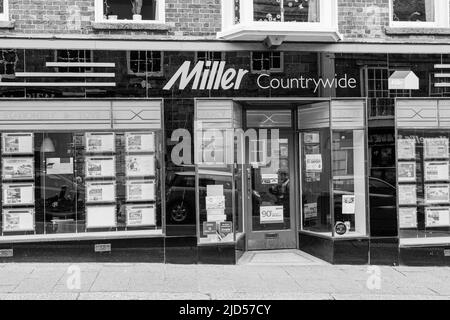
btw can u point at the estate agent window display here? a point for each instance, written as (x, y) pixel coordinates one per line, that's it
(83, 182)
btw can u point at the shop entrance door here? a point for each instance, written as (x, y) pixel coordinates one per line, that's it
(270, 209)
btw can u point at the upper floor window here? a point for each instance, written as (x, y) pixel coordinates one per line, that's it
(130, 10)
(8, 62)
(286, 10)
(141, 63)
(419, 13)
(4, 10)
(209, 56)
(73, 56)
(266, 62)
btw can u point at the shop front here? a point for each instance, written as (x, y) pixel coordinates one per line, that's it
(198, 157)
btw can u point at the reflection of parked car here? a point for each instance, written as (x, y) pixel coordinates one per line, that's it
(382, 205)
(181, 196)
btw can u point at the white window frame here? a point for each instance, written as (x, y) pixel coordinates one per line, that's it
(159, 18)
(148, 74)
(272, 70)
(441, 17)
(5, 15)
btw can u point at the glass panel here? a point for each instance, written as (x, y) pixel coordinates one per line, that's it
(123, 9)
(414, 10)
(237, 11)
(215, 192)
(267, 10)
(316, 174)
(423, 183)
(269, 118)
(349, 182)
(270, 186)
(301, 10)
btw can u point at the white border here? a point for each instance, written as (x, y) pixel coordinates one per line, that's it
(5, 15)
(441, 8)
(160, 18)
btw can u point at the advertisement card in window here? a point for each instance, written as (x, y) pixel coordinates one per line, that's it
(18, 220)
(100, 191)
(348, 204)
(436, 148)
(407, 218)
(17, 143)
(101, 217)
(97, 142)
(100, 167)
(140, 190)
(406, 171)
(437, 193)
(437, 171)
(313, 162)
(140, 142)
(141, 215)
(18, 194)
(407, 194)
(271, 214)
(406, 149)
(140, 166)
(437, 217)
(18, 168)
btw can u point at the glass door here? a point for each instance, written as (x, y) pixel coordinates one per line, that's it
(270, 194)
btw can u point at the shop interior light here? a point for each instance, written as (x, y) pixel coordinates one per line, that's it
(47, 145)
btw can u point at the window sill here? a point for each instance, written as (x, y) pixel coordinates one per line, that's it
(416, 31)
(130, 25)
(6, 24)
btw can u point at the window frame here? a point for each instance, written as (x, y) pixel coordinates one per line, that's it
(160, 18)
(441, 14)
(208, 53)
(5, 15)
(147, 73)
(271, 70)
(88, 53)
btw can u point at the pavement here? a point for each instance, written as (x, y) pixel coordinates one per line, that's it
(276, 276)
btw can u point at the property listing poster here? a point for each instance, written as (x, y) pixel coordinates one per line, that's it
(140, 165)
(97, 142)
(406, 149)
(18, 168)
(101, 217)
(18, 194)
(437, 217)
(100, 167)
(437, 193)
(436, 148)
(407, 194)
(406, 171)
(436, 171)
(407, 218)
(17, 143)
(141, 215)
(101, 191)
(140, 142)
(140, 190)
(18, 220)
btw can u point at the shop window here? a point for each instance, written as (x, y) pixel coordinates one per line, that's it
(4, 10)
(266, 62)
(210, 56)
(420, 13)
(74, 56)
(8, 62)
(80, 184)
(145, 63)
(286, 10)
(380, 98)
(130, 11)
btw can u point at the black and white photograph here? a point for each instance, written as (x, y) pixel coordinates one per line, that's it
(212, 158)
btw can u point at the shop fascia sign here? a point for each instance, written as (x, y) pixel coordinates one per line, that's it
(213, 75)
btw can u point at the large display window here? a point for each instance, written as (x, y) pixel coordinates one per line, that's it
(81, 183)
(333, 157)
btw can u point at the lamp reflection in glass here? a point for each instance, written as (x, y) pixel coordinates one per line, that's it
(47, 145)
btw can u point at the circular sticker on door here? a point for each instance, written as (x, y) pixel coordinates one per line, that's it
(340, 228)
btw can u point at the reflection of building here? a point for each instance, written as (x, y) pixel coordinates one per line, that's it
(85, 92)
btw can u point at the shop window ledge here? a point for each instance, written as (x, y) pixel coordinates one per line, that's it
(7, 24)
(129, 25)
(417, 31)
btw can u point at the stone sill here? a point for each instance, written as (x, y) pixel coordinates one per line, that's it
(7, 24)
(417, 31)
(130, 26)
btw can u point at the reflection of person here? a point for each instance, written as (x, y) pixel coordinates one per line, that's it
(282, 189)
(62, 200)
